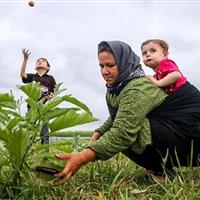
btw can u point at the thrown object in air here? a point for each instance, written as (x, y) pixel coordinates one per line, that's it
(31, 3)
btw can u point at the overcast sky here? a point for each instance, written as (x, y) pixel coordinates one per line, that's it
(67, 34)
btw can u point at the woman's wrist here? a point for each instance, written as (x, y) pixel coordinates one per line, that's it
(87, 155)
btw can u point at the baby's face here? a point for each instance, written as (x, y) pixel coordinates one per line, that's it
(152, 54)
(42, 63)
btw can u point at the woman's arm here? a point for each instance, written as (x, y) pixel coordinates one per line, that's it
(105, 127)
(130, 124)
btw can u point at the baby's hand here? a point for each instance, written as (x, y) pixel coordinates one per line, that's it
(150, 77)
(154, 80)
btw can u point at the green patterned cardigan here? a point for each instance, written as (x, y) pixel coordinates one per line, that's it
(130, 128)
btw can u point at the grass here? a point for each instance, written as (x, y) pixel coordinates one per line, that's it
(114, 179)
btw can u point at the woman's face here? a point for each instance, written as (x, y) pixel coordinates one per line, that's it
(108, 67)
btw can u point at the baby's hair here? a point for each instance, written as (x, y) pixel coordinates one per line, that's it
(162, 43)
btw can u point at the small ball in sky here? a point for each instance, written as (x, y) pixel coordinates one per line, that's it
(31, 3)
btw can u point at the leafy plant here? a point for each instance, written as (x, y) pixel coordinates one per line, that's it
(18, 132)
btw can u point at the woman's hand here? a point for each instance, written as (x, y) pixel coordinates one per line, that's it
(74, 162)
(26, 53)
(95, 137)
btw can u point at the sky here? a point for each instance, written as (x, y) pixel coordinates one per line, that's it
(67, 34)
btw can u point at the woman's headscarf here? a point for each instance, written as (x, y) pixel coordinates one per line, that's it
(128, 64)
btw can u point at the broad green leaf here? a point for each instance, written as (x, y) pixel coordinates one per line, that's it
(76, 102)
(4, 161)
(12, 123)
(52, 104)
(3, 120)
(4, 134)
(31, 102)
(9, 112)
(8, 119)
(7, 100)
(32, 90)
(56, 112)
(8, 104)
(71, 119)
(58, 90)
(3, 116)
(17, 145)
(32, 115)
(6, 97)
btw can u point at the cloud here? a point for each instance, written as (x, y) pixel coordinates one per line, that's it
(67, 34)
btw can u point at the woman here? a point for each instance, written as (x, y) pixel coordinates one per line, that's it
(144, 123)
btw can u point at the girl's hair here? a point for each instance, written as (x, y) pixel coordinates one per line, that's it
(162, 43)
(103, 46)
(46, 61)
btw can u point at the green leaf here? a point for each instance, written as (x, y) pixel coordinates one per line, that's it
(4, 161)
(12, 123)
(7, 100)
(17, 145)
(32, 90)
(9, 112)
(6, 97)
(31, 102)
(4, 134)
(56, 112)
(58, 90)
(52, 104)
(76, 102)
(71, 119)
(3, 120)
(32, 115)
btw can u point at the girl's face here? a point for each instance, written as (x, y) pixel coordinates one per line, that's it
(108, 67)
(152, 54)
(42, 63)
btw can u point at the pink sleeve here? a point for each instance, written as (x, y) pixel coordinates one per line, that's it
(168, 66)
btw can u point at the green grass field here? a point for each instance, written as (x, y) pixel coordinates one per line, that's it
(114, 179)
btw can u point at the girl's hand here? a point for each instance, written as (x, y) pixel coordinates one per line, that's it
(50, 96)
(26, 53)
